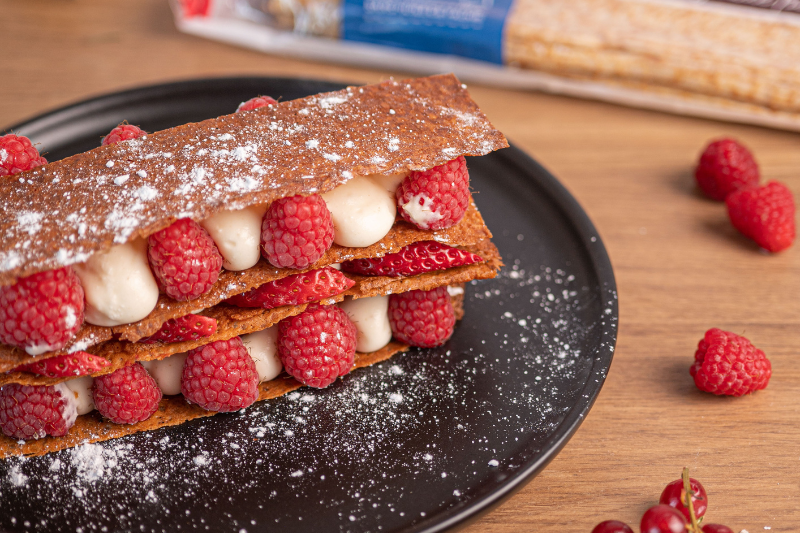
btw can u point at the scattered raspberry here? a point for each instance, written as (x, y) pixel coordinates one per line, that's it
(726, 363)
(318, 345)
(436, 198)
(33, 412)
(220, 376)
(764, 214)
(184, 259)
(72, 364)
(42, 312)
(297, 289)
(724, 167)
(123, 132)
(17, 154)
(414, 259)
(255, 103)
(422, 318)
(195, 8)
(127, 395)
(296, 231)
(184, 328)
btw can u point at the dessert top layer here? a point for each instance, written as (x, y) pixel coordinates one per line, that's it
(64, 212)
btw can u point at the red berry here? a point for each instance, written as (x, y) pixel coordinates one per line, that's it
(33, 412)
(726, 363)
(41, 312)
(318, 345)
(716, 528)
(185, 328)
(663, 519)
(296, 289)
(724, 167)
(17, 154)
(184, 259)
(674, 496)
(127, 395)
(764, 214)
(220, 376)
(256, 102)
(612, 526)
(436, 198)
(72, 364)
(414, 259)
(123, 132)
(296, 231)
(422, 318)
(195, 8)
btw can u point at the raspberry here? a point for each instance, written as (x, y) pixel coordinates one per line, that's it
(422, 318)
(724, 167)
(184, 328)
(184, 259)
(764, 214)
(726, 363)
(255, 103)
(414, 259)
(318, 345)
(436, 198)
(72, 364)
(41, 312)
(296, 231)
(123, 132)
(220, 376)
(17, 154)
(33, 412)
(195, 8)
(127, 395)
(297, 289)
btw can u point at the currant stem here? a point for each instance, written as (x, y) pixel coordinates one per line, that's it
(694, 527)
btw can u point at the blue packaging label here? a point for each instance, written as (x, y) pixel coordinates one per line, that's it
(467, 28)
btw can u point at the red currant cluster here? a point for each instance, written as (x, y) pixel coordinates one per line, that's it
(673, 514)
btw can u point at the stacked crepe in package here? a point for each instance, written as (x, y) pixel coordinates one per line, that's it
(63, 213)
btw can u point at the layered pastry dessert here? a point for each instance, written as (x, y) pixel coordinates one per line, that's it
(167, 276)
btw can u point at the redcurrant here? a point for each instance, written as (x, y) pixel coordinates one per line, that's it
(612, 526)
(716, 528)
(663, 519)
(675, 496)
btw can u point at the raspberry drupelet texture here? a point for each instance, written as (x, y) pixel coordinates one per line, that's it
(725, 166)
(436, 198)
(764, 214)
(256, 102)
(127, 395)
(123, 132)
(727, 364)
(422, 318)
(296, 289)
(33, 412)
(17, 154)
(67, 365)
(184, 259)
(296, 231)
(41, 312)
(220, 376)
(416, 258)
(318, 345)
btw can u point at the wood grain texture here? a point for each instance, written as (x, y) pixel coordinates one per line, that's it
(680, 266)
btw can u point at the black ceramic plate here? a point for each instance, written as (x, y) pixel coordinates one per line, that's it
(422, 442)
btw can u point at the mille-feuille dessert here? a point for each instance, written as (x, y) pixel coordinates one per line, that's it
(167, 276)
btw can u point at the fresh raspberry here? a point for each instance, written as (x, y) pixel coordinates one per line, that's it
(33, 412)
(296, 289)
(318, 345)
(72, 364)
(726, 363)
(184, 328)
(296, 231)
(17, 154)
(220, 376)
(255, 103)
(436, 198)
(123, 132)
(41, 312)
(415, 258)
(764, 214)
(195, 8)
(127, 395)
(184, 259)
(422, 318)
(724, 167)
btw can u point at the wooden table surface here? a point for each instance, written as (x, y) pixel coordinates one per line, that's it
(680, 266)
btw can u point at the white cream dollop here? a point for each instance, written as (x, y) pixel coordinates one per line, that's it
(70, 412)
(263, 349)
(81, 389)
(167, 372)
(371, 318)
(390, 182)
(118, 284)
(362, 212)
(237, 235)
